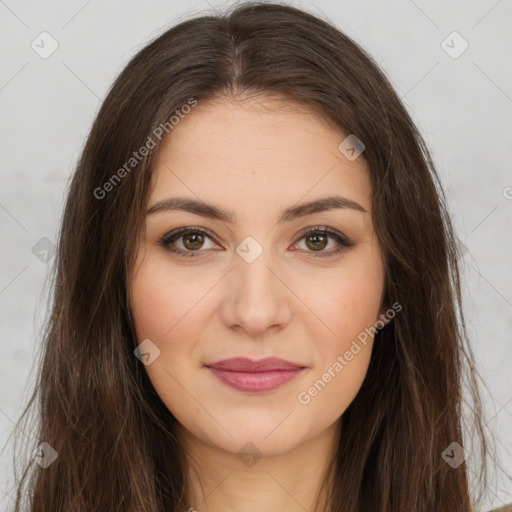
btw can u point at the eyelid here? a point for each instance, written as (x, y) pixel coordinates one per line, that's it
(327, 230)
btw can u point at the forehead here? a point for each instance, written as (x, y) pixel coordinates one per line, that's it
(257, 151)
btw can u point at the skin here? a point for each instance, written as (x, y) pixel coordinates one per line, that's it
(256, 157)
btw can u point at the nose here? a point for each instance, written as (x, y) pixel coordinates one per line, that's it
(256, 299)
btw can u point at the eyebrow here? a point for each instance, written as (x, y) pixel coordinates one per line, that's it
(215, 212)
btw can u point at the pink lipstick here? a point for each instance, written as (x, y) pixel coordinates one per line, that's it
(255, 376)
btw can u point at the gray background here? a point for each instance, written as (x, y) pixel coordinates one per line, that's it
(462, 106)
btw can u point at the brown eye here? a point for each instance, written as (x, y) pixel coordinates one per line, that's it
(316, 242)
(193, 241)
(317, 239)
(187, 242)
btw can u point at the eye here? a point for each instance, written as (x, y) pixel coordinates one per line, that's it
(316, 240)
(192, 240)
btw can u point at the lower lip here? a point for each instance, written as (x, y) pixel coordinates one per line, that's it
(255, 382)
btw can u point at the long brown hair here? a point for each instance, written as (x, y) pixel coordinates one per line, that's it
(115, 439)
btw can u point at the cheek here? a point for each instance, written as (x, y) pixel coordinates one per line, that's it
(162, 301)
(166, 308)
(347, 303)
(343, 356)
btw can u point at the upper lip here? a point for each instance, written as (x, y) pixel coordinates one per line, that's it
(243, 364)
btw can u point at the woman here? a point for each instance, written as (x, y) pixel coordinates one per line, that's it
(256, 299)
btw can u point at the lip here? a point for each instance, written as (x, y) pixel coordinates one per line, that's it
(243, 364)
(255, 376)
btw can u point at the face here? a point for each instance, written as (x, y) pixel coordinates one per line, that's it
(253, 284)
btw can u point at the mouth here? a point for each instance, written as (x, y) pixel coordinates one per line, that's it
(260, 376)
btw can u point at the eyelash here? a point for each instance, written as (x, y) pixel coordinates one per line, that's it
(343, 241)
